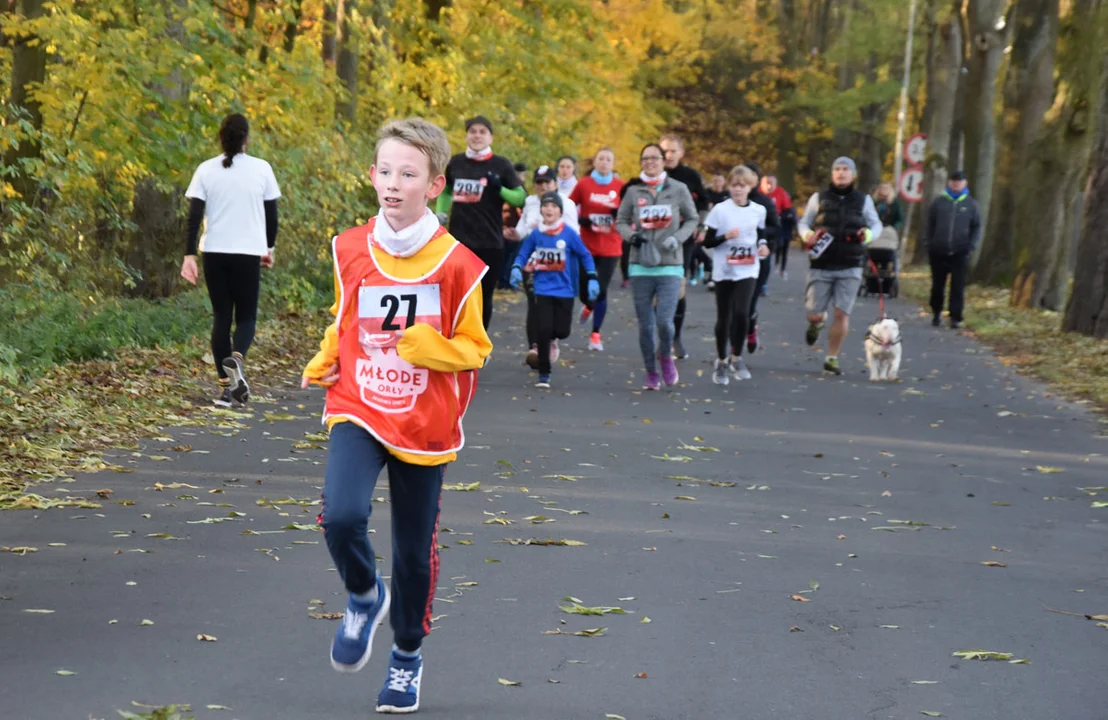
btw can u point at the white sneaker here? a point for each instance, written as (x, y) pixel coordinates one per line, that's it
(596, 342)
(720, 375)
(738, 369)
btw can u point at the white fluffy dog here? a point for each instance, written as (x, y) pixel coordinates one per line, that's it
(883, 350)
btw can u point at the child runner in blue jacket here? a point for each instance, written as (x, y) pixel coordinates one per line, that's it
(552, 252)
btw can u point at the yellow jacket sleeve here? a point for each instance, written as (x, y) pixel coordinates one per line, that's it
(424, 346)
(328, 354)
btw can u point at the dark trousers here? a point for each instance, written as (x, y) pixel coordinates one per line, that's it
(511, 249)
(765, 266)
(956, 266)
(233, 282)
(494, 258)
(781, 252)
(552, 317)
(354, 460)
(733, 314)
(625, 261)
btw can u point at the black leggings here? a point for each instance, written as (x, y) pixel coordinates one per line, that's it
(605, 269)
(732, 314)
(625, 261)
(233, 282)
(781, 254)
(553, 317)
(494, 258)
(765, 266)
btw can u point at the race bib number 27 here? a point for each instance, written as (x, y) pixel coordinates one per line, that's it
(383, 311)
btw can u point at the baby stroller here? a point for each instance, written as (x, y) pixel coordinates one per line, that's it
(880, 272)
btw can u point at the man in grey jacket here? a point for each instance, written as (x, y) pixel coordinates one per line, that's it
(656, 216)
(952, 233)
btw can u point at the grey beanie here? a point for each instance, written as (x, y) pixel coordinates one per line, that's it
(844, 160)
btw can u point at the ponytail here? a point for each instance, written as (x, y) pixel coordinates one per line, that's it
(232, 136)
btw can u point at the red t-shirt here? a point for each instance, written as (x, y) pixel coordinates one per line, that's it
(598, 203)
(781, 199)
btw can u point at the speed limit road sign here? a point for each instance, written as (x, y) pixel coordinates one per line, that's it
(910, 185)
(915, 149)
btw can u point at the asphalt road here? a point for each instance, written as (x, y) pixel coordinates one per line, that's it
(815, 481)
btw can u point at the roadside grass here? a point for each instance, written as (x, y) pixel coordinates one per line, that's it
(1031, 341)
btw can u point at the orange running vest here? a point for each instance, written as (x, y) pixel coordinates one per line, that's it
(407, 408)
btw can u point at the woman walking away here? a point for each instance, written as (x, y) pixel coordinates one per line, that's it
(236, 195)
(597, 194)
(656, 216)
(736, 231)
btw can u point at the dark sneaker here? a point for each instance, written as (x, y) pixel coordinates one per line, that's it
(679, 351)
(752, 339)
(401, 692)
(240, 390)
(812, 333)
(955, 324)
(224, 399)
(543, 382)
(354, 639)
(831, 365)
(936, 321)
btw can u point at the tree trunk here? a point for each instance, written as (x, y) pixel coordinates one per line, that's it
(292, 27)
(347, 66)
(955, 153)
(28, 71)
(332, 11)
(986, 51)
(1028, 93)
(942, 91)
(1061, 161)
(154, 246)
(787, 122)
(1087, 310)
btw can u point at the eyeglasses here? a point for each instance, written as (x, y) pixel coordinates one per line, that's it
(645, 158)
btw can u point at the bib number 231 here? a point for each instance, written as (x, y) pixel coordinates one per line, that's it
(740, 255)
(384, 311)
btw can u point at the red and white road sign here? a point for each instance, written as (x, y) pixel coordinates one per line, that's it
(910, 185)
(915, 149)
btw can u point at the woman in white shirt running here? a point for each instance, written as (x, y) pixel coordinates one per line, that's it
(736, 234)
(237, 195)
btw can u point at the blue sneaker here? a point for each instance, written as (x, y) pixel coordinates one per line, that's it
(401, 691)
(354, 639)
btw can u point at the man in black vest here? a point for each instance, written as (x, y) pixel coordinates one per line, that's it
(837, 225)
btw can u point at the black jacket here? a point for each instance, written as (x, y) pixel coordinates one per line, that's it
(953, 226)
(773, 222)
(692, 179)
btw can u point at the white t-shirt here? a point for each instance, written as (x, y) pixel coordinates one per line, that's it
(736, 259)
(531, 216)
(233, 197)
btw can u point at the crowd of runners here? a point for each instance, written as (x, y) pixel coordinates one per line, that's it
(414, 301)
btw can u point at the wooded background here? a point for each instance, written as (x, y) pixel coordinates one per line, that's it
(111, 105)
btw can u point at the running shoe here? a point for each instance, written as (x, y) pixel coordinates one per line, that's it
(543, 382)
(738, 369)
(699, 276)
(955, 324)
(721, 375)
(625, 284)
(679, 351)
(784, 275)
(812, 333)
(586, 313)
(224, 399)
(752, 339)
(532, 359)
(596, 342)
(711, 285)
(936, 321)
(669, 370)
(554, 352)
(652, 381)
(401, 692)
(240, 390)
(831, 365)
(354, 639)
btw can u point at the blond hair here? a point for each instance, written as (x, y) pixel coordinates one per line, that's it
(673, 138)
(884, 191)
(426, 137)
(742, 174)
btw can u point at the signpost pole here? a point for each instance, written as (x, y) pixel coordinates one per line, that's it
(902, 114)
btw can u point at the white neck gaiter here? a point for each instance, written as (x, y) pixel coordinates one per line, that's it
(410, 240)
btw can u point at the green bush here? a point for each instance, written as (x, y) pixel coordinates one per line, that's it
(43, 326)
